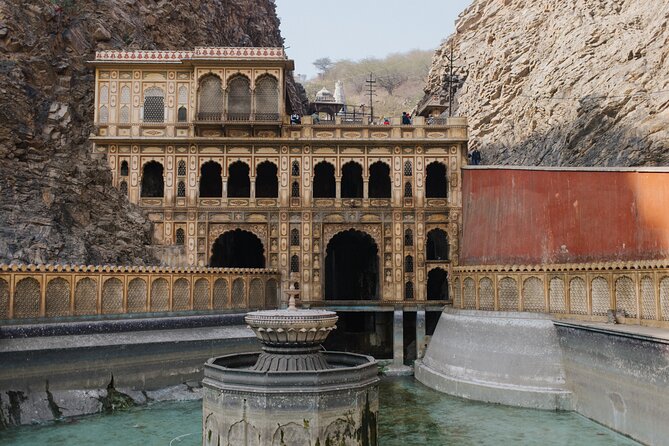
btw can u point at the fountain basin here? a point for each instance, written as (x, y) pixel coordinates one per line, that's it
(292, 393)
(247, 407)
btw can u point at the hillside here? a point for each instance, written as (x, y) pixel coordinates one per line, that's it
(57, 203)
(400, 81)
(577, 82)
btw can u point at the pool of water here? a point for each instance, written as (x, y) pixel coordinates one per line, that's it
(411, 414)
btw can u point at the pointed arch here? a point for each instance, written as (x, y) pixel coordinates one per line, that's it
(437, 284)
(267, 98)
(239, 182)
(267, 181)
(351, 180)
(436, 184)
(324, 180)
(210, 98)
(152, 180)
(437, 245)
(379, 180)
(239, 98)
(211, 182)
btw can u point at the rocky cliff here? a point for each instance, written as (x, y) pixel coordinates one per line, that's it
(57, 203)
(562, 82)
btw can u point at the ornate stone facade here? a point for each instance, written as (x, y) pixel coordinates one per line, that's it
(204, 145)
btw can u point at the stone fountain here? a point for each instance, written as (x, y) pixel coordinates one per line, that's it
(292, 392)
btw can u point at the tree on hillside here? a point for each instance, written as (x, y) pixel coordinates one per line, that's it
(323, 64)
(390, 81)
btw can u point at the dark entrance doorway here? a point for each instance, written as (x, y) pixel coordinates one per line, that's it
(437, 284)
(237, 249)
(352, 267)
(211, 183)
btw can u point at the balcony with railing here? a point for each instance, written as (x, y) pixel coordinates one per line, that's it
(228, 118)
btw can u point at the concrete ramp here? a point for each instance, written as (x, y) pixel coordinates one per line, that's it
(497, 357)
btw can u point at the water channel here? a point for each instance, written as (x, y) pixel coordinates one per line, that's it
(410, 414)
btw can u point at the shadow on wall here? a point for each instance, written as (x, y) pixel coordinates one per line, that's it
(594, 138)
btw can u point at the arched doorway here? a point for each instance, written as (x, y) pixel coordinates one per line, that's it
(237, 249)
(436, 184)
(437, 284)
(352, 267)
(379, 180)
(152, 180)
(239, 183)
(267, 183)
(324, 180)
(436, 248)
(351, 180)
(211, 183)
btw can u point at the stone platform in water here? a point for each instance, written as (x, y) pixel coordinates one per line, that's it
(497, 357)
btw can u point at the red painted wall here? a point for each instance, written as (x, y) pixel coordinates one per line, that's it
(520, 216)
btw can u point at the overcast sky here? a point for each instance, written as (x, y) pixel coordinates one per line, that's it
(355, 29)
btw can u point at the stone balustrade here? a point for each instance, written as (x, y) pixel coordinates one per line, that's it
(49, 291)
(451, 129)
(637, 291)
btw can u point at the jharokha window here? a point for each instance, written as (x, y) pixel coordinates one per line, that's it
(210, 99)
(267, 99)
(154, 105)
(239, 99)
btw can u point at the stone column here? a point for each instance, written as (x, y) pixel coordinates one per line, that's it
(398, 338)
(338, 187)
(420, 333)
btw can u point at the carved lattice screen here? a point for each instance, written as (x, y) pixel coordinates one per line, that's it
(57, 297)
(469, 294)
(256, 294)
(85, 297)
(557, 296)
(181, 295)
(220, 294)
(648, 309)
(160, 295)
(210, 99)
(267, 99)
(154, 105)
(4, 299)
(137, 296)
(533, 295)
(239, 99)
(26, 298)
(112, 296)
(577, 296)
(626, 296)
(201, 295)
(271, 294)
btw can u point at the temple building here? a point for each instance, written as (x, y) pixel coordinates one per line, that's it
(347, 212)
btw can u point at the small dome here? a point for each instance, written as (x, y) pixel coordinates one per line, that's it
(324, 95)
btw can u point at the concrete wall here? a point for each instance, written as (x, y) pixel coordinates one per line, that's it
(533, 216)
(66, 374)
(497, 357)
(619, 380)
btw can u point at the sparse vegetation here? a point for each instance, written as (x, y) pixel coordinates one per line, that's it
(400, 80)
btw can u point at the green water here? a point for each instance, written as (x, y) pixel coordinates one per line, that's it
(411, 414)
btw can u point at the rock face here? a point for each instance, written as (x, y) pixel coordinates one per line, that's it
(57, 203)
(575, 82)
